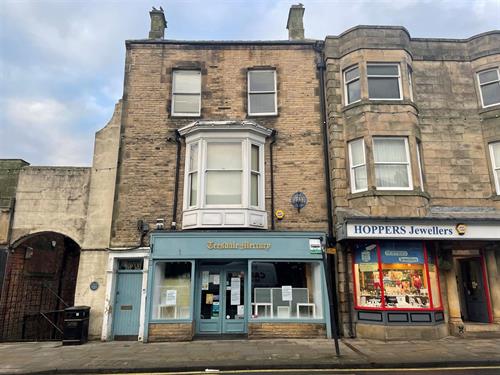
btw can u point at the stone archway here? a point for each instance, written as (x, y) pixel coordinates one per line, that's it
(40, 279)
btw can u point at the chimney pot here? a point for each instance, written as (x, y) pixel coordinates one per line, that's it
(295, 24)
(158, 24)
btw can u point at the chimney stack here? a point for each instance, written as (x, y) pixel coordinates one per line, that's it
(295, 24)
(158, 24)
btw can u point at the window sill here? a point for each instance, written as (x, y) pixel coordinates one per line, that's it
(378, 102)
(381, 193)
(490, 112)
(185, 116)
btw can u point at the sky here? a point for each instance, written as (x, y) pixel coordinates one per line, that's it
(62, 61)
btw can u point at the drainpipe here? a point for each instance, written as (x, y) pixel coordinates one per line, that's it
(178, 138)
(271, 166)
(329, 265)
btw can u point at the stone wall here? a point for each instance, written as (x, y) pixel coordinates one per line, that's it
(444, 115)
(51, 199)
(146, 174)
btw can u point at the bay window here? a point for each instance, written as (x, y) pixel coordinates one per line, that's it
(224, 175)
(395, 275)
(489, 87)
(384, 81)
(392, 163)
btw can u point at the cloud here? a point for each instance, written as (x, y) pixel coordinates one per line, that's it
(46, 131)
(62, 62)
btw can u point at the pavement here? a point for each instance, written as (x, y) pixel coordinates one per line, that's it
(198, 355)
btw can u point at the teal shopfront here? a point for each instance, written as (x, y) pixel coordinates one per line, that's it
(257, 284)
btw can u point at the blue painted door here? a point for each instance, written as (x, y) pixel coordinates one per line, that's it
(127, 303)
(220, 301)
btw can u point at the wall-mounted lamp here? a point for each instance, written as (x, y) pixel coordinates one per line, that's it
(299, 200)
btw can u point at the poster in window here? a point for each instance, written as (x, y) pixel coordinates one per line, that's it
(216, 279)
(171, 297)
(205, 277)
(215, 310)
(286, 292)
(235, 291)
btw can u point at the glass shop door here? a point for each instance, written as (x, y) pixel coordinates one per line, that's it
(220, 300)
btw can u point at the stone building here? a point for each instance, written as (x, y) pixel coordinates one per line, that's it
(230, 169)
(415, 145)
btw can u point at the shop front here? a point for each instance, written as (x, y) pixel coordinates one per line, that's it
(422, 279)
(255, 284)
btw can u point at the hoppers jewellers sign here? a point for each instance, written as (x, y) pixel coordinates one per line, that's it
(423, 230)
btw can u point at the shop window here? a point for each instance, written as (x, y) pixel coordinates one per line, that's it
(172, 291)
(352, 85)
(395, 275)
(384, 81)
(186, 93)
(262, 98)
(489, 87)
(357, 164)
(495, 164)
(287, 290)
(392, 163)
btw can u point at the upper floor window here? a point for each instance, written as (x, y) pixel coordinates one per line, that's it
(357, 163)
(352, 85)
(392, 163)
(224, 175)
(420, 165)
(410, 81)
(262, 98)
(489, 84)
(186, 93)
(384, 81)
(495, 163)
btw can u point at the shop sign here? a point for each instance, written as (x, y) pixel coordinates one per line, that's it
(212, 245)
(423, 230)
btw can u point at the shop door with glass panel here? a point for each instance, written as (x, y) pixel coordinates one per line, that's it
(220, 302)
(474, 290)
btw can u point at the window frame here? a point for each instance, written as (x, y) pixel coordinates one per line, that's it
(205, 170)
(495, 168)
(152, 300)
(407, 163)
(246, 149)
(429, 256)
(420, 162)
(184, 114)
(354, 188)
(347, 82)
(410, 81)
(398, 76)
(249, 93)
(480, 85)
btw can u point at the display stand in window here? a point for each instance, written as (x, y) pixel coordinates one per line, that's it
(395, 275)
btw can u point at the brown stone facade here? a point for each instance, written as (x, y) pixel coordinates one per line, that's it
(147, 159)
(440, 115)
